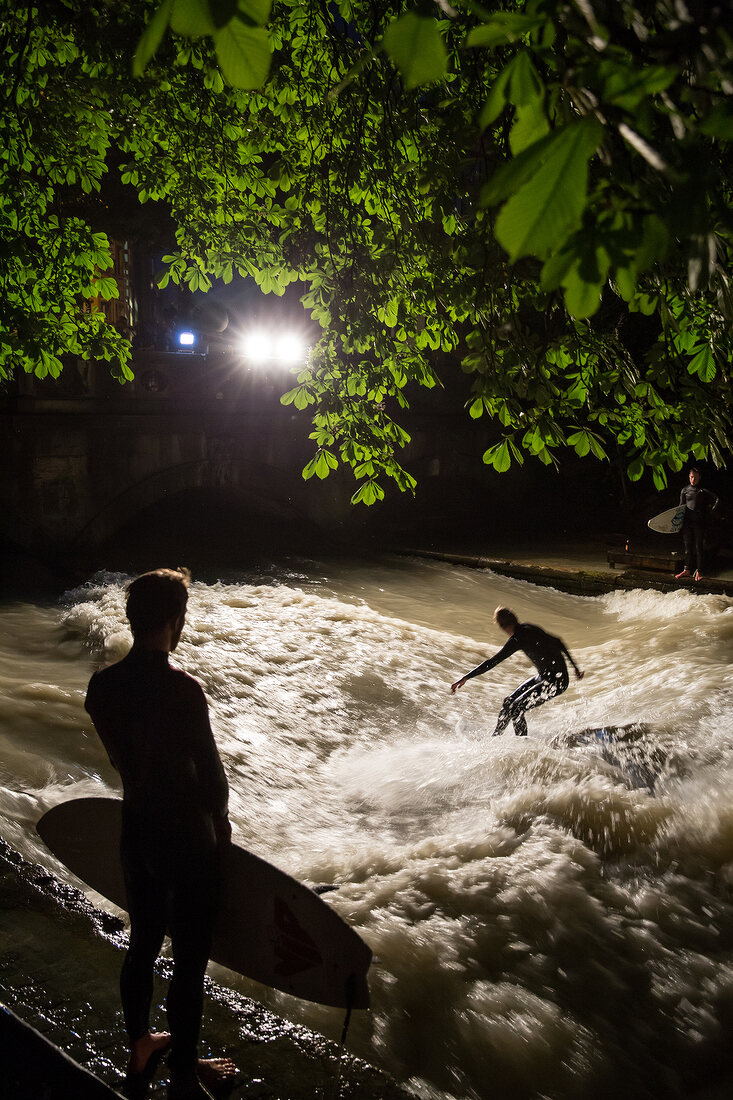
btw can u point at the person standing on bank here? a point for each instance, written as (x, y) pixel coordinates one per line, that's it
(546, 652)
(699, 504)
(153, 721)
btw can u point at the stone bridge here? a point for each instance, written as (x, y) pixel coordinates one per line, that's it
(83, 456)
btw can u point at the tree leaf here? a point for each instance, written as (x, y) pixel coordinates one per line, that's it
(719, 123)
(703, 364)
(514, 173)
(151, 37)
(524, 81)
(530, 124)
(192, 18)
(243, 54)
(414, 44)
(582, 297)
(498, 456)
(542, 214)
(255, 12)
(503, 27)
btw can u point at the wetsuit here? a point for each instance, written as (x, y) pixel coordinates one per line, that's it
(547, 653)
(153, 721)
(698, 504)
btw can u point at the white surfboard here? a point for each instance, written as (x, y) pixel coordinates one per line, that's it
(270, 927)
(669, 522)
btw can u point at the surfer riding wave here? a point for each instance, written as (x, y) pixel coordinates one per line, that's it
(546, 652)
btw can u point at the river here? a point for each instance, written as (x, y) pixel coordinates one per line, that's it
(551, 917)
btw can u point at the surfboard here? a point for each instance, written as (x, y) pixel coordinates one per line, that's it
(669, 522)
(270, 927)
(631, 748)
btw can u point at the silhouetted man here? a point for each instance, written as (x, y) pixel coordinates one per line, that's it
(153, 721)
(546, 652)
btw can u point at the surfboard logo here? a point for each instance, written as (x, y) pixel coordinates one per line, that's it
(293, 947)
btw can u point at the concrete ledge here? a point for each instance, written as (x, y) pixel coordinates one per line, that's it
(575, 580)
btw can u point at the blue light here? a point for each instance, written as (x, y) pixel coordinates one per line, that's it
(186, 339)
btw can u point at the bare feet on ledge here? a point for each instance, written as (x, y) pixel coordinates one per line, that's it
(683, 575)
(212, 1077)
(145, 1057)
(217, 1073)
(152, 1045)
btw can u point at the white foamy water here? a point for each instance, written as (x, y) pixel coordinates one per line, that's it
(550, 916)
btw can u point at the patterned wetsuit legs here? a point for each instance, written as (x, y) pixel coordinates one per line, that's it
(530, 694)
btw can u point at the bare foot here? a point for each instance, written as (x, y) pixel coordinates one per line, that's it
(211, 1077)
(150, 1045)
(217, 1073)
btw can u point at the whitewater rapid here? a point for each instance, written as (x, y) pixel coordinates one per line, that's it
(548, 917)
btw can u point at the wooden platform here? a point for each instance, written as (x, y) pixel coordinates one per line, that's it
(655, 563)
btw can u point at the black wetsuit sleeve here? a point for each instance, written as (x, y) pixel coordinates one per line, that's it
(506, 651)
(95, 710)
(209, 769)
(566, 651)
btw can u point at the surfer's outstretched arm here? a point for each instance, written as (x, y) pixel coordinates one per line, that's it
(579, 674)
(506, 651)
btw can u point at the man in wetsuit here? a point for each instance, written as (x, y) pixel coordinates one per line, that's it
(153, 721)
(698, 504)
(546, 652)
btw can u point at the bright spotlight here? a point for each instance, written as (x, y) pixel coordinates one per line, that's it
(186, 339)
(288, 348)
(257, 346)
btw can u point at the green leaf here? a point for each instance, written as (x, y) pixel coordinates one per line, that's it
(542, 214)
(243, 54)
(512, 175)
(626, 87)
(414, 44)
(524, 82)
(503, 28)
(582, 298)
(556, 268)
(596, 447)
(530, 124)
(151, 37)
(719, 123)
(703, 364)
(625, 279)
(497, 97)
(368, 493)
(256, 12)
(498, 456)
(654, 243)
(192, 18)
(581, 443)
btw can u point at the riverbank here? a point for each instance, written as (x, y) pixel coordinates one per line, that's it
(580, 568)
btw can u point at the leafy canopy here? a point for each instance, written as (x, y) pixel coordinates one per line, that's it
(535, 191)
